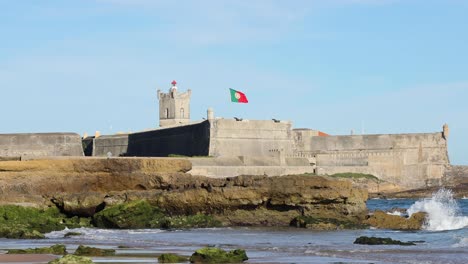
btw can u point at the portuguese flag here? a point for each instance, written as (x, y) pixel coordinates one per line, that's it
(238, 97)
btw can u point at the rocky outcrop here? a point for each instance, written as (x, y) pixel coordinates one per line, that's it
(87, 187)
(380, 219)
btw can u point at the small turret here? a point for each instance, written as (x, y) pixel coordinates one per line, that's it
(210, 114)
(445, 131)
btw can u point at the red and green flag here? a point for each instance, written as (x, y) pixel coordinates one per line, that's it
(238, 97)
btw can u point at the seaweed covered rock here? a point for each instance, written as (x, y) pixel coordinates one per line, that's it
(217, 255)
(20, 232)
(140, 214)
(171, 258)
(136, 214)
(92, 251)
(58, 249)
(364, 240)
(72, 259)
(30, 222)
(380, 219)
(189, 221)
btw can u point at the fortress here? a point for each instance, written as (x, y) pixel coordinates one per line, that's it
(219, 147)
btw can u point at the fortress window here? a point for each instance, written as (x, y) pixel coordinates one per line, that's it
(182, 113)
(167, 112)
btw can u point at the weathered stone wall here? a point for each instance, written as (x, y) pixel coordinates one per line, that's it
(40, 145)
(115, 145)
(410, 160)
(250, 138)
(222, 167)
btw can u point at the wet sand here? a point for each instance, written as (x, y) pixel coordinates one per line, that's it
(26, 258)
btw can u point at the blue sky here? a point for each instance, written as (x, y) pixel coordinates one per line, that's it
(335, 65)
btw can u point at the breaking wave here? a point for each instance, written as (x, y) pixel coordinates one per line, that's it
(443, 212)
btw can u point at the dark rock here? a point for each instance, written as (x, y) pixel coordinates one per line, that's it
(325, 223)
(217, 255)
(70, 234)
(364, 240)
(91, 251)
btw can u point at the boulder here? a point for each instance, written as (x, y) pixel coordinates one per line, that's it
(382, 220)
(217, 255)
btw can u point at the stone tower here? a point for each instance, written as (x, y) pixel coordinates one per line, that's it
(174, 107)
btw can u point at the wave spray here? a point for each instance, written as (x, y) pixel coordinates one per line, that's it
(443, 212)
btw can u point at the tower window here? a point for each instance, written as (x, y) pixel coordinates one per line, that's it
(182, 113)
(167, 112)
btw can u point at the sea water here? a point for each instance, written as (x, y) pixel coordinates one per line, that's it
(444, 239)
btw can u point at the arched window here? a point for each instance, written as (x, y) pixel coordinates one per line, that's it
(182, 113)
(167, 112)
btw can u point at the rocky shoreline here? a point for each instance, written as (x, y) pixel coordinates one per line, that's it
(158, 193)
(40, 196)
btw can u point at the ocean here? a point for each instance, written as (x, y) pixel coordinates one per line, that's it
(444, 239)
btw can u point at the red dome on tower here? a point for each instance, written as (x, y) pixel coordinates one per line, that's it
(173, 82)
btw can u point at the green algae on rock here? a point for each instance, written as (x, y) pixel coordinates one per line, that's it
(58, 249)
(72, 259)
(29, 222)
(92, 251)
(140, 214)
(171, 258)
(136, 214)
(364, 240)
(217, 255)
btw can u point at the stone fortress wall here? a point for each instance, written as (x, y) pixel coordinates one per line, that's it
(232, 147)
(30, 145)
(410, 160)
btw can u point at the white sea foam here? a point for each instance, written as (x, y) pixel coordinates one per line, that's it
(395, 212)
(443, 212)
(462, 243)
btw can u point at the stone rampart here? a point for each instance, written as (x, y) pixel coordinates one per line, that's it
(250, 138)
(223, 166)
(187, 140)
(409, 160)
(40, 145)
